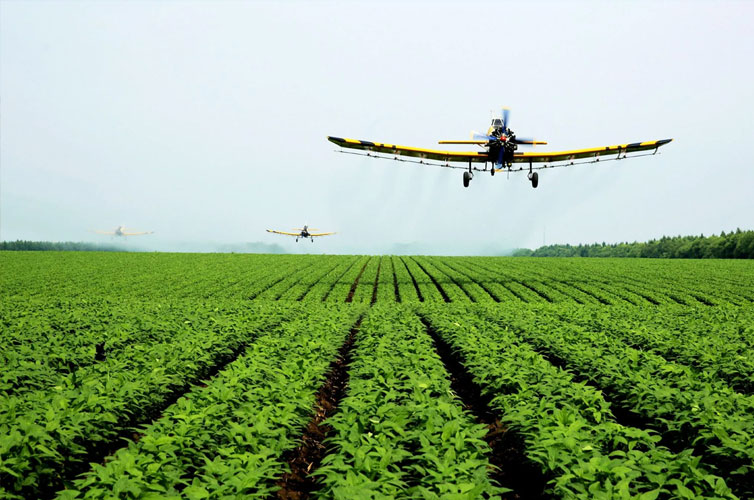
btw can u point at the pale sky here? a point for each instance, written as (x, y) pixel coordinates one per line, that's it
(206, 122)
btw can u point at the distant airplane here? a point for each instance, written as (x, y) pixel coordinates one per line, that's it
(121, 231)
(302, 233)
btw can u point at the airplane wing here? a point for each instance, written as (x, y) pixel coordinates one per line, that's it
(137, 234)
(481, 156)
(596, 153)
(320, 234)
(429, 154)
(283, 232)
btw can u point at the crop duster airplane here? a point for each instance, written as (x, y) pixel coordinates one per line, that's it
(121, 231)
(499, 146)
(302, 233)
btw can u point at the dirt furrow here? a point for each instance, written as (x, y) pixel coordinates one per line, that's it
(511, 467)
(306, 458)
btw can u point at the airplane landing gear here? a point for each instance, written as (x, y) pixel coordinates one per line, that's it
(296, 240)
(467, 176)
(312, 240)
(534, 178)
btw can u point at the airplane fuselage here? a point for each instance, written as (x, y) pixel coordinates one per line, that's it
(501, 143)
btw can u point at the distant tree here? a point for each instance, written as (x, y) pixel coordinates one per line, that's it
(24, 245)
(733, 245)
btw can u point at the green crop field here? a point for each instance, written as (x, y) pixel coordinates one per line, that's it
(299, 376)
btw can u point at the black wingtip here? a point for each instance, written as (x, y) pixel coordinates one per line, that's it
(335, 140)
(663, 142)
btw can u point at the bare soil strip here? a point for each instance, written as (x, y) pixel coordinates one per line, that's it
(435, 282)
(376, 281)
(356, 281)
(395, 282)
(337, 280)
(416, 285)
(512, 469)
(306, 458)
(311, 285)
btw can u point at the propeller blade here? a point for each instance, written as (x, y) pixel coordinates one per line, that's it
(481, 137)
(479, 141)
(530, 142)
(506, 116)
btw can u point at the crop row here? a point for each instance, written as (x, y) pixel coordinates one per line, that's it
(292, 277)
(48, 435)
(689, 409)
(567, 428)
(226, 439)
(399, 433)
(717, 342)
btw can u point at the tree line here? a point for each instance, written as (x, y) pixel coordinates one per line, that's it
(59, 245)
(734, 245)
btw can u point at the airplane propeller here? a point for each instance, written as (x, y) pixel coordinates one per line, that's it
(508, 133)
(482, 137)
(505, 139)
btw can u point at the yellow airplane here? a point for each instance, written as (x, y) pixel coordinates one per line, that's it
(121, 231)
(500, 144)
(302, 233)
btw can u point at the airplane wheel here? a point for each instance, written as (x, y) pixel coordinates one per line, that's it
(534, 180)
(312, 240)
(466, 179)
(493, 170)
(296, 240)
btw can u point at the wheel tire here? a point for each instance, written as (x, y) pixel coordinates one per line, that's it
(493, 170)
(534, 180)
(466, 179)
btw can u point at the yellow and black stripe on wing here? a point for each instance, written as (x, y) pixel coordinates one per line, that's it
(578, 154)
(428, 154)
